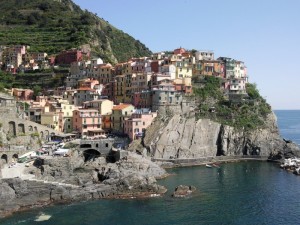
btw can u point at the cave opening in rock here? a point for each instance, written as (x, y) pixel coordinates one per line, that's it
(4, 158)
(90, 155)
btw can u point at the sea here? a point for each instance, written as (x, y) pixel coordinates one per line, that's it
(236, 193)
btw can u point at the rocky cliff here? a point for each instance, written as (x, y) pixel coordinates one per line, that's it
(185, 137)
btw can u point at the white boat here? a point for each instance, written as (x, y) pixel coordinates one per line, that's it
(208, 166)
(28, 154)
(61, 151)
(42, 217)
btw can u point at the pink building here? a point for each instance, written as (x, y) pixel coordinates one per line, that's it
(179, 51)
(87, 122)
(136, 125)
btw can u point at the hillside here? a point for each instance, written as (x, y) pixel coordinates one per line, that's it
(54, 25)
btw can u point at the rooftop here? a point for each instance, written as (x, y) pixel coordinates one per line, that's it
(121, 106)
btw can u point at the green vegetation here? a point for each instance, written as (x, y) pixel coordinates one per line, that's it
(52, 26)
(36, 82)
(249, 113)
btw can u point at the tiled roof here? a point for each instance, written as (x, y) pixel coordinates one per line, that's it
(120, 107)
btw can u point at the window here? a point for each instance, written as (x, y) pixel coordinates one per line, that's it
(144, 123)
(106, 145)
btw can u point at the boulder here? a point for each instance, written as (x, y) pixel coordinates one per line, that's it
(183, 191)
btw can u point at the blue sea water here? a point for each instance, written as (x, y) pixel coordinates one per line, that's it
(289, 124)
(237, 193)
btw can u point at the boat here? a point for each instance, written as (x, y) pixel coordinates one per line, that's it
(61, 151)
(208, 166)
(216, 165)
(42, 217)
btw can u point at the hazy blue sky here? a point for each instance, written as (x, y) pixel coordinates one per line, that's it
(265, 34)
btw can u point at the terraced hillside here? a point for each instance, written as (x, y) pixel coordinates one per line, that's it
(54, 25)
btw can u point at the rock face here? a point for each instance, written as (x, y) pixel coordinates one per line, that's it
(180, 137)
(71, 179)
(183, 191)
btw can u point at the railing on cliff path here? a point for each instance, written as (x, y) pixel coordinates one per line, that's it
(203, 160)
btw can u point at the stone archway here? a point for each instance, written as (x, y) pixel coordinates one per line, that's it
(42, 134)
(30, 128)
(12, 128)
(21, 128)
(35, 129)
(91, 154)
(4, 158)
(15, 157)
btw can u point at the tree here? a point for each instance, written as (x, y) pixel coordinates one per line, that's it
(37, 90)
(252, 91)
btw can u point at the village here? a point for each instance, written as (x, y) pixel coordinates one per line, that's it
(101, 100)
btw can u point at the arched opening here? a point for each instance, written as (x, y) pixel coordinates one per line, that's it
(85, 146)
(91, 154)
(4, 158)
(21, 128)
(12, 128)
(30, 128)
(35, 129)
(15, 157)
(42, 134)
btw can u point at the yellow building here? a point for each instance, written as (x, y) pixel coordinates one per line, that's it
(119, 113)
(65, 118)
(50, 119)
(183, 71)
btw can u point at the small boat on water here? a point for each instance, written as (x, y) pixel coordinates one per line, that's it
(208, 166)
(216, 165)
(42, 217)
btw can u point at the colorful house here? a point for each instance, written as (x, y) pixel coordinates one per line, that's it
(104, 106)
(87, 122)
(118, 116)
(139, 121)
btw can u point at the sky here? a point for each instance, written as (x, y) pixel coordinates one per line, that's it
(265, 34)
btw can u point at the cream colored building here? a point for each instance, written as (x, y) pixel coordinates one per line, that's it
(104, 106)
(50, 119)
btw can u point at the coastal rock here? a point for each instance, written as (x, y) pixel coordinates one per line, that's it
(183, 191)
(66, 180)
(182, 137)
(7, 193)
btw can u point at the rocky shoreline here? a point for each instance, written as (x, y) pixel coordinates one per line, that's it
(66, 180)
(56, 183)
(138, 180)
(177, 142)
